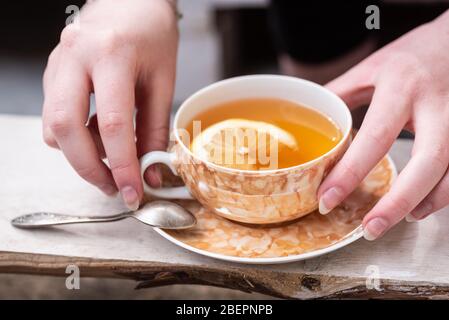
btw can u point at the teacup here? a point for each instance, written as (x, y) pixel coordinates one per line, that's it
(255, 197)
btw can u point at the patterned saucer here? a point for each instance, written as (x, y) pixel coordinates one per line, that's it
(307, 237)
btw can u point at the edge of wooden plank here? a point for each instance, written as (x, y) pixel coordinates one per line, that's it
(274, 283)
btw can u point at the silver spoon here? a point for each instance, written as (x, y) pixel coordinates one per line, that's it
(159, 214)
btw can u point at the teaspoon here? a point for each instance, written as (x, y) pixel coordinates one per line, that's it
(159, 214)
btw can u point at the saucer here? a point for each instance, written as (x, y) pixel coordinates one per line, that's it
(307, 237)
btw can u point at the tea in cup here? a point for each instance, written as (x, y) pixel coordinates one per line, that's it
(261, 134)
(255, 149)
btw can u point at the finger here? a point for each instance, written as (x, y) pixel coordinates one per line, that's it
(436, 200)
(383, 122)
(92, 125)
(114, 93)
(47, 81)
(427, 166)
(51, 68)
(356, 86)
(66, 109)
(152, 120)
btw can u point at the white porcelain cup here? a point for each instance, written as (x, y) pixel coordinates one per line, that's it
(259, 197)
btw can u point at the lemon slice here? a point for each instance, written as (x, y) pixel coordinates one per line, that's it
(242, 144)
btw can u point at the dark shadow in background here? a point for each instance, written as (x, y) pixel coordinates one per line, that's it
(32, 28)
(247, 43)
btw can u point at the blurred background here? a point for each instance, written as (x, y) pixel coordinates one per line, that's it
(219, 39)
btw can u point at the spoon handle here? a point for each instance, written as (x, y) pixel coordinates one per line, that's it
(45, 219)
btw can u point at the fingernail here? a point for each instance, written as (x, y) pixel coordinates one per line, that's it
(420, 212)
(410, 218)
(374, 228)
(329, 200)
(108, 189)
(130, 197)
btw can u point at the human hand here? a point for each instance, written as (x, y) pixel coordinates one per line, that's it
(125, 53)
(407, 83)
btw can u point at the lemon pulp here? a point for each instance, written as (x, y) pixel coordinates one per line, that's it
(243, 144)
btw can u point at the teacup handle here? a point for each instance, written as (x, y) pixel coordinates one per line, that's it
(168, 159)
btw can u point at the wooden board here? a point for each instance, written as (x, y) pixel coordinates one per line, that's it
(411, 261)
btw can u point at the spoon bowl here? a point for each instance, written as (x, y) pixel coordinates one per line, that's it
(165, 215)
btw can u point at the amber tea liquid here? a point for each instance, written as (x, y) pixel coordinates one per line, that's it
(314, 132)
